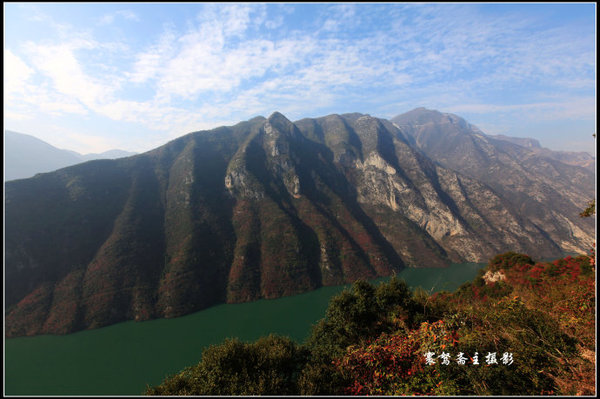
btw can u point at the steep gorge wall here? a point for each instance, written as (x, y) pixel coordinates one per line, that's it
(263, 209)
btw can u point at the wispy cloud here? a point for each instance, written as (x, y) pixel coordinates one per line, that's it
(16, 73)
(60, 64)
(150, 62)
(108, 19)
(231, 62)
(26, 98)
(574, 108)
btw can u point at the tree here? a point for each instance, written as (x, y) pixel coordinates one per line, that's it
(269, 366)
(590, 210)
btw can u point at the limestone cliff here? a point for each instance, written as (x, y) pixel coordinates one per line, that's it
(269, 208)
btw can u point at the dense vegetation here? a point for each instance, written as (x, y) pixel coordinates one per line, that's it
(537, 318)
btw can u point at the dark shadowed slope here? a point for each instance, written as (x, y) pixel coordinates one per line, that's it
(263, 209)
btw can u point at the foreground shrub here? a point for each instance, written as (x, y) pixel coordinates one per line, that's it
(394, 364)
(363, 312)
(387, 341)
(269, 366)
(508, 260)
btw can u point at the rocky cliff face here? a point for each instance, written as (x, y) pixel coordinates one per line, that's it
(263, 209)
(538, 188)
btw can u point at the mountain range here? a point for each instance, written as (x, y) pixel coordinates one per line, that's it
(269, 208)
(582, 159)
(25, 155)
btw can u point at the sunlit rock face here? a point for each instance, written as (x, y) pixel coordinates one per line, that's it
(269, 208)
(536, 186)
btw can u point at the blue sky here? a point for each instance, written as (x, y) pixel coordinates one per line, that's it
(92, 77)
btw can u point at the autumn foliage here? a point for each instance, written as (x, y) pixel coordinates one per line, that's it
(393, 364)
(543, 313)
(375, 340)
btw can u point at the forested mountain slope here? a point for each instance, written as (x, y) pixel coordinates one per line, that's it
(264, 209)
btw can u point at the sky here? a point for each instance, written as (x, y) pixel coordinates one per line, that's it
(90, 77)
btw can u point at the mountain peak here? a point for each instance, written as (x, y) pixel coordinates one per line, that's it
(423, 109)
(422, 116)
(418, 116)
(271, 209)
(278, 117)
(280, 123)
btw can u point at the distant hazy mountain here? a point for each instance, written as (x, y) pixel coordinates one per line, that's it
(25, 155)
(110, 154)
(522, 141)
(582, 159)
(269, 208)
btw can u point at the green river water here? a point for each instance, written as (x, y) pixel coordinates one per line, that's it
(121, 359)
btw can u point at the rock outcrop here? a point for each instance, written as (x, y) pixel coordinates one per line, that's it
(269, 208)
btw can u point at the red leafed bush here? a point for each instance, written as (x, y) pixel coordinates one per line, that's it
(395, 364)
(564, 288)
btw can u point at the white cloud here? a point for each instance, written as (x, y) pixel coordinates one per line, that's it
(108, 19)
(223, 67)
(203, 64)
(237, 18)
(573, 108)
(16, 73)
(128, 14)
(230, 19)
(23, 98)
(274, 23)
(150, 62)
(59, 63)
(331, 25)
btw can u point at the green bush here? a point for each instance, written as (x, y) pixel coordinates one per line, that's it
(269, 366)
(354, 316)
(363, 312)
(508, 260)
(509, 326)
(372, 339)
(321, 377)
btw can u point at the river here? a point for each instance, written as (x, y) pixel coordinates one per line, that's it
(121, 359)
